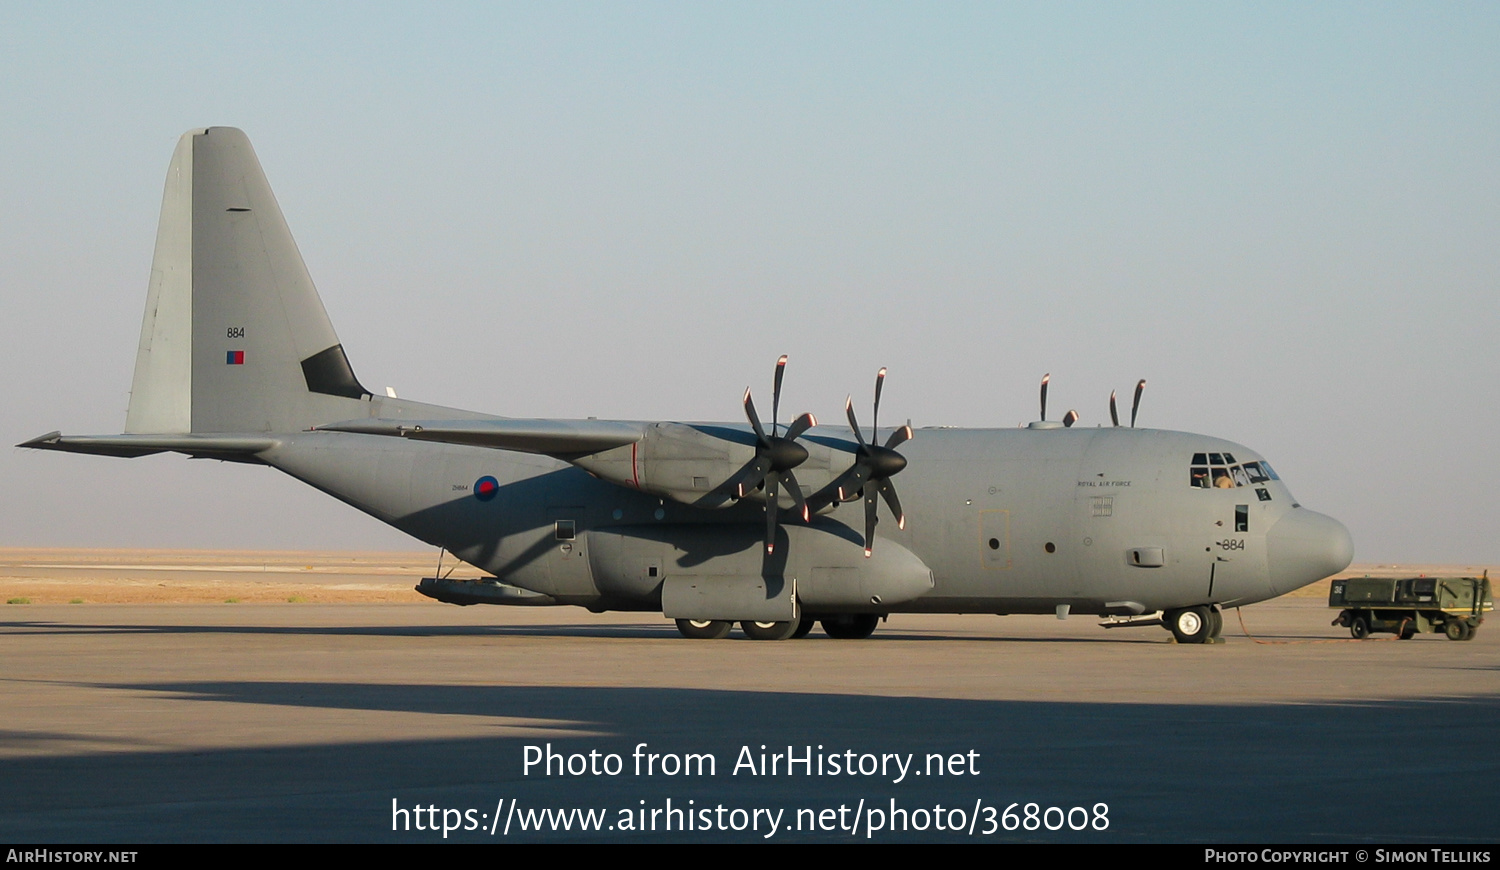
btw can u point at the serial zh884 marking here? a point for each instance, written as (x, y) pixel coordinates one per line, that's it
(767, 524)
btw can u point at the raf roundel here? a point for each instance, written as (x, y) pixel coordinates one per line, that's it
(486, 487)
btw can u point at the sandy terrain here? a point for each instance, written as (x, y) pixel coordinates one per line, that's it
(51, 576)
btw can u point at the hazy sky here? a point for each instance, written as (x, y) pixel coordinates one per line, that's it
(1285, 217)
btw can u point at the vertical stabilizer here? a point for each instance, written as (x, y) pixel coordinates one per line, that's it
(161, 392)
(235, 338)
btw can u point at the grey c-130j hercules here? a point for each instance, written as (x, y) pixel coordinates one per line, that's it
(772, 526)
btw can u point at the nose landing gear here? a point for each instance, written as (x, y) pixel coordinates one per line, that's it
(1201, 624)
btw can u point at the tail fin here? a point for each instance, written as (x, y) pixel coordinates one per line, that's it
(235, 338)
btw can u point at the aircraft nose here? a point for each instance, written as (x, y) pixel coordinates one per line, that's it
(1304, 547)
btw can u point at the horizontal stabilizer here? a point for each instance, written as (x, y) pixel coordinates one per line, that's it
(232, 447)
(560, 438)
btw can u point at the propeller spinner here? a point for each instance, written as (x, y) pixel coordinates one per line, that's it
(775, 457)
(873, 467)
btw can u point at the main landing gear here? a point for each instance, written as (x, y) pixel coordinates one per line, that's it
(844, 626)
(704, 629)
(1201, 624)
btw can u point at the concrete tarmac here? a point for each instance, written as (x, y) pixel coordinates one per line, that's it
(313, 722)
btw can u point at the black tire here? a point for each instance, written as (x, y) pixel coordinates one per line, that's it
(1455, 629)
(1190, 624)
(1359, 627)
(804, 626)
(1472, 630)
(857, 626)
(769, 630)
(704, 629)
(1408, 630)
(1216, 625)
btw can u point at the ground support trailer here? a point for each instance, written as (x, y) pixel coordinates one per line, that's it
(1454, 606)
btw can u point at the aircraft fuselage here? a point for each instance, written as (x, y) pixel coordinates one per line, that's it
(1103, 521)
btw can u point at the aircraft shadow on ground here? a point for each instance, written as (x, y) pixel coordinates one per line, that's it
(1388, 771)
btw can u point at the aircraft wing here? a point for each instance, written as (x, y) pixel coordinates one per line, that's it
(563, 439)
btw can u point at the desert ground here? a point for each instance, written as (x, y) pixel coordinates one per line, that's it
(295, 697)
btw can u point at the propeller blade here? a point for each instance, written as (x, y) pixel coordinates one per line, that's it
(776, 393)
(888, 490)
(754, 418)
(875, 416)
(853, 423)
(771, 511)
(870, 520)
(898, 437)
(851, 482)
(1136, 405)
(1114, 415)
(1045, 378)
(800, 425)
(751, 477)
(795, 492)
(1069, 419)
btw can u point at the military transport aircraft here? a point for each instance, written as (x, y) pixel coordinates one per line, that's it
(767, 524)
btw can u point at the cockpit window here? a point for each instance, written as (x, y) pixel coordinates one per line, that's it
(1219, 471)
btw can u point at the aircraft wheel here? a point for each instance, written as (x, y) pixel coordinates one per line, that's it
(851, 627)
(804, 626)
(1359, 627)
(769, 630)
(1190, 624)
(1455, 629)
(1216, 623)
(704, 629)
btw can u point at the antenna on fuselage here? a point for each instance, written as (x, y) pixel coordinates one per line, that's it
(1045, 378)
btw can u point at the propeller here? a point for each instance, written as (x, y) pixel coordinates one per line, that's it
(775, 457)
(1135, 406)
(1069, 418)
(874, 466)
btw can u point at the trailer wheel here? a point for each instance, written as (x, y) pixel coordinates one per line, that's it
(1473, 630)
(1408, 630)
(1359, 627)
